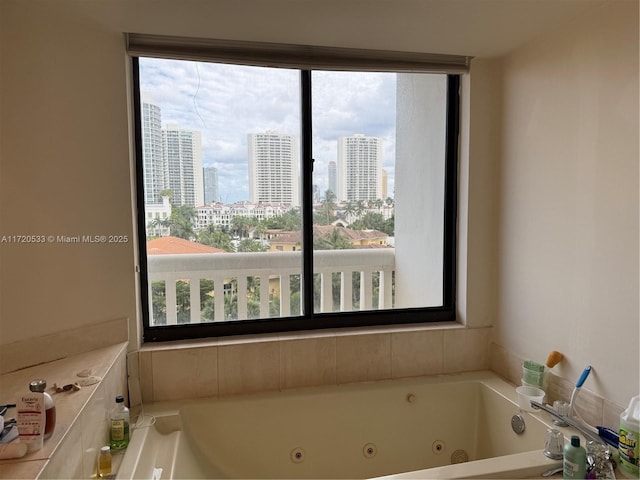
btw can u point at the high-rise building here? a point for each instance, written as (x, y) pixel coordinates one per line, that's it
(182, 153)
(333, 177)
(385, 181)
(273, 168)
(211, 192)
(359, 168)
(153, 166)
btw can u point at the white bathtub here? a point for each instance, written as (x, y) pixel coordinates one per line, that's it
(409, 428)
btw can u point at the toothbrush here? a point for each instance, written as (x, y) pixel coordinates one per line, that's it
(608, 435)
(579, 383)
(583, 377)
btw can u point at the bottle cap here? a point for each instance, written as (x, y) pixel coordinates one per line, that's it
(575, 441)
(38, 386)
(105, 449)
(119, 399)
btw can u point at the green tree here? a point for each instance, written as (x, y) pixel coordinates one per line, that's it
(240, 225)
(334, 240)
(377, 204)
(183, 302)
(326, 215)
(181, 222)
(207, 300)
(231, 306)
(159, 302)
(374, 221)
(166, 193)
(251, 245)
(350, 209)
(290, 221)
(215, 236)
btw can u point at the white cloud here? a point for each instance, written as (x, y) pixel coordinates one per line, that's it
(226, 102)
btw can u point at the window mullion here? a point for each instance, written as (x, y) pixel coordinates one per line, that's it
(307, 194)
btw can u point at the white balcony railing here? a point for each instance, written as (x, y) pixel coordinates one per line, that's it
(274, 269)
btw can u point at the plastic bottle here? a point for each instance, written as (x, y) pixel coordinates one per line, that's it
(119, 425)
(629, 431)
(104, 462)
(49, 407)
(574, 459)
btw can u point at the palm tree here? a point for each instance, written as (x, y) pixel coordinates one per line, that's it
(328, 207)
(181, 221)
(241, 225)
(251, 245)
(214, 236)
(334, 240)
(350, 210)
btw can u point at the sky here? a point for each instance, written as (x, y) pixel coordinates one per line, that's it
(227, 102)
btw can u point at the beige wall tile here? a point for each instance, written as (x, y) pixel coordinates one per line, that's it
(589, 407)
(611, 415)
(417, 353)
(362, 358)
(67, 462)
(515, 363)
(94, 427)
(133, 379)
(466, 350)
(499, 360)
(308, 362)
(145, 359)
(248, 368)
(558, 389)
(185, 373)
(28, 469)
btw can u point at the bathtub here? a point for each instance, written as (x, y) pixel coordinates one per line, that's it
(447, 426)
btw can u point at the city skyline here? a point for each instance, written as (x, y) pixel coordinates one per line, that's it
(227, 102)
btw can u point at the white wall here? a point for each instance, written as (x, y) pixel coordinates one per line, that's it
(65, 170)
(568, 237)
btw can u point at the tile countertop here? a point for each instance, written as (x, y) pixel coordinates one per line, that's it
(69, 405)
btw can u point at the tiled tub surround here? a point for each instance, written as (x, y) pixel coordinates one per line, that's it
(188, 370)
(81, 423)
(219, 367)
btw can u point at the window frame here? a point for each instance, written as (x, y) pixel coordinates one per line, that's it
(310, 320)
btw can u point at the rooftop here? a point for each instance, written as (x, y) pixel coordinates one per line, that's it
(173, 245)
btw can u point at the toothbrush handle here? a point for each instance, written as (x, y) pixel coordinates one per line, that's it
(583, 377)
(609, 436)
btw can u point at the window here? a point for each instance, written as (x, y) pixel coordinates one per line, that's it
(335, 188)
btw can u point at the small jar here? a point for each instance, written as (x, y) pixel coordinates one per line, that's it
(49, 407)
(104, 462)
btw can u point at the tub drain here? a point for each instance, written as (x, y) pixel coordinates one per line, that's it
(459, 456)
(297, 455)
(369, 450)
(437, 447)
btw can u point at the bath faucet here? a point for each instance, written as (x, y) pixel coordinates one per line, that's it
(569, 421)
(599, 460)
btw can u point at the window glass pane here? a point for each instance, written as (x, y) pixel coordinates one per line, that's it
(379, 151)
(221, 176)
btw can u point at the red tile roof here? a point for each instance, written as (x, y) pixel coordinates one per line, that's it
(173, 245)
